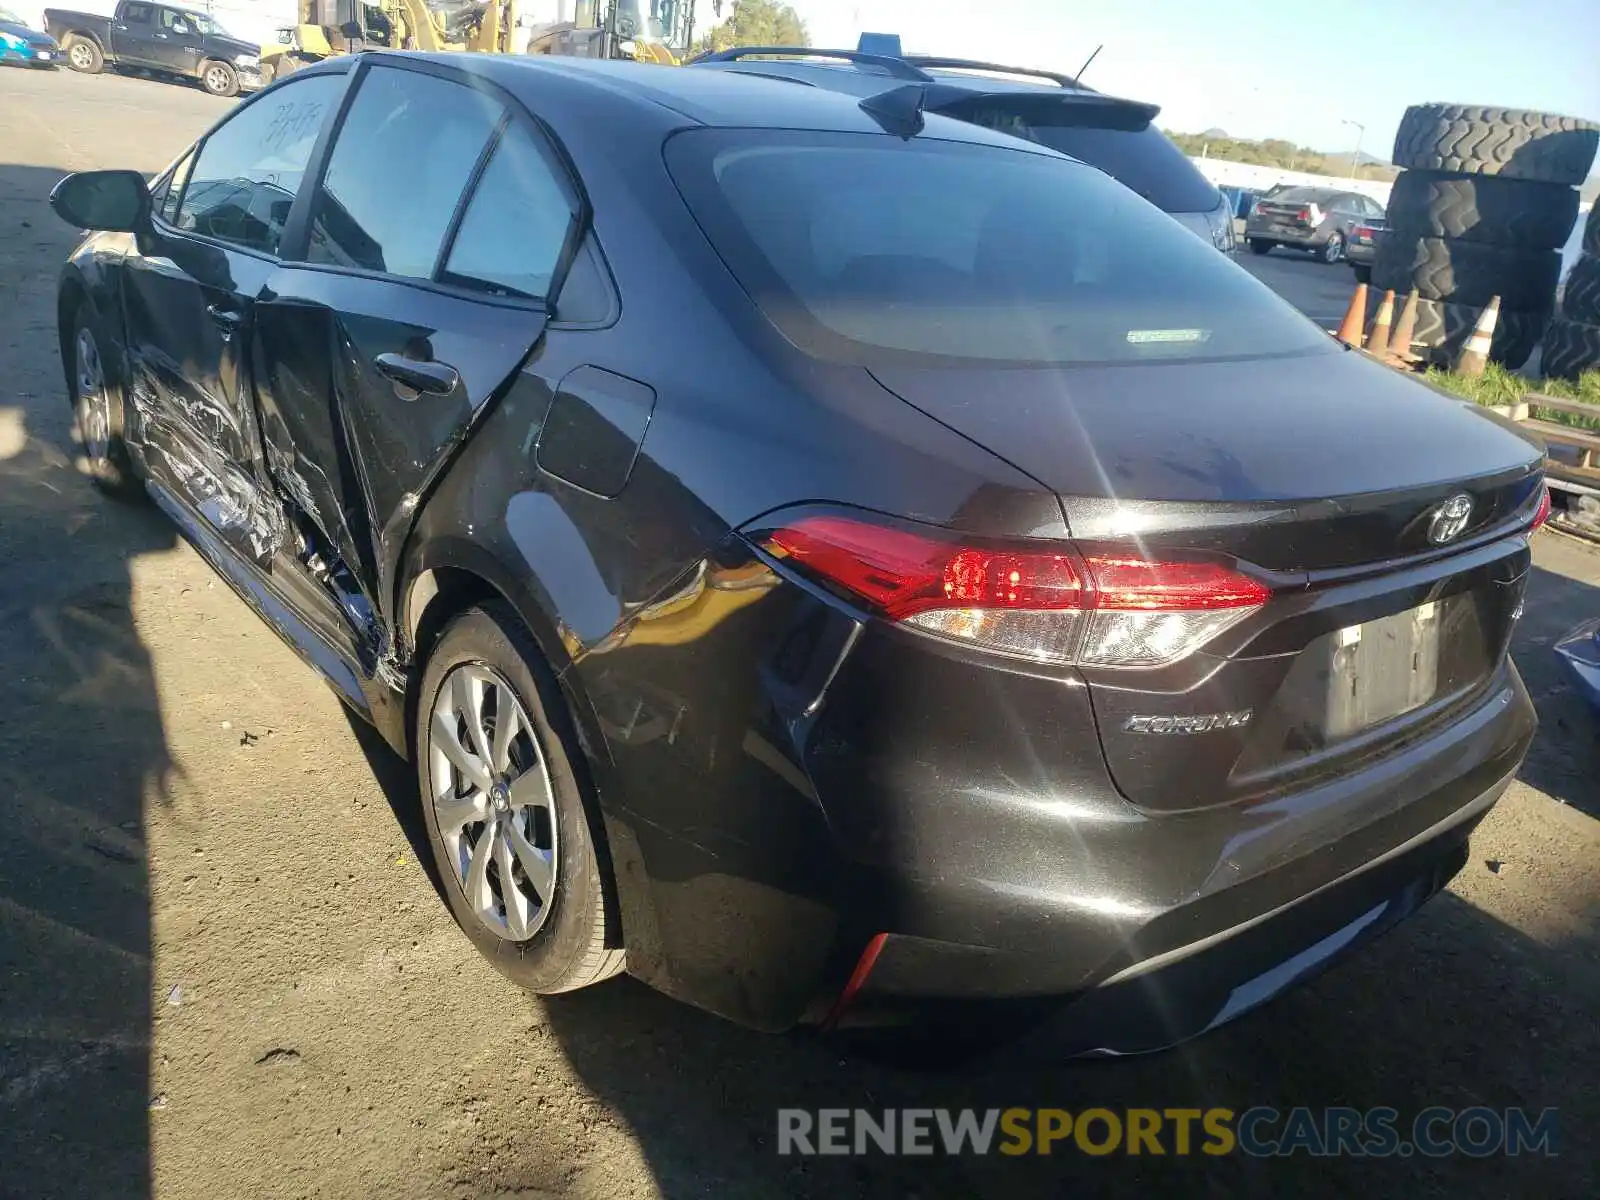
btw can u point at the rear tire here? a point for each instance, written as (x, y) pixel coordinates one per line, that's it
(1261, 245)
(1363, 272)
(1509, 142)
(1332, 250)
(83, 55)
(574, 939)
(219, 79)
(1591, 231)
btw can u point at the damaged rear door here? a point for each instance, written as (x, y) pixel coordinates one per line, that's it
(434, 236)
(189, 293)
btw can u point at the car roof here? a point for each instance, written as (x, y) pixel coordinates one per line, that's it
(732, 99)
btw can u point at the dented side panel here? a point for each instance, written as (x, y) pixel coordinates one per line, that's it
(353, 448)
(187, 308)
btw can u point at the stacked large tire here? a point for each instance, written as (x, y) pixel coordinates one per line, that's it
(1572, 343)
(1485, 199)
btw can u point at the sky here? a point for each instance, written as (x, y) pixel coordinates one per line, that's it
(1292, 70)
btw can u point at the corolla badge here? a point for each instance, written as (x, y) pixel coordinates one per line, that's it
(1449, 519)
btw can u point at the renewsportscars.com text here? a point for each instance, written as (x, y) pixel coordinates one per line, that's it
(1260, 1131)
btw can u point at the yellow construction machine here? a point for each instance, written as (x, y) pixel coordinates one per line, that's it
(656, 31)
(330, 27)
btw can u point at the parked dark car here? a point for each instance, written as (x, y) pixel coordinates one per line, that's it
(1362, 248)
(161, 38)
(21, 45)
(1118, 136)
(836, 609)
(1309, 218)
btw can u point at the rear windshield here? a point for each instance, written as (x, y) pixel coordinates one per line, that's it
(1141, 158)
(1304, 195)
(865, 248)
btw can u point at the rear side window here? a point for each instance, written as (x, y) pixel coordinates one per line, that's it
(862, 248)
(404, 158)
(516, 223)
(1141, 158)
(248, 171)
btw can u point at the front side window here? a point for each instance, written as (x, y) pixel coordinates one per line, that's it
(404, 156)
(864, 248)
(249, 170)
(165, 198)
(136, 14)
(515, 257)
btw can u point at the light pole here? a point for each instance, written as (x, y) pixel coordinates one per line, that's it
(1355, 159)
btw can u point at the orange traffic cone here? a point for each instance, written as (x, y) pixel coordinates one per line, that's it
(1405, 330)
(1475, 355)
(1355, 317)
(1378, 340)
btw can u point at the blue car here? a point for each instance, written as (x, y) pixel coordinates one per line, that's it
(1580, 650)
(20, 45)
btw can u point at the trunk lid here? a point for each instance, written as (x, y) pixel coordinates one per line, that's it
(1322, 474)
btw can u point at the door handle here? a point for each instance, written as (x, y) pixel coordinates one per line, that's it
(434, 378)
(225, 319)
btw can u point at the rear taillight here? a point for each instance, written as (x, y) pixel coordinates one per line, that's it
(1542, 513)
(1303, 215)
(1364, 232)
(1056, 604)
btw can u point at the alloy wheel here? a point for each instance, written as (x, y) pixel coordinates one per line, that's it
(1333, 251)
(493, 801)
(82, 56)
(93, 404)
(216, 80)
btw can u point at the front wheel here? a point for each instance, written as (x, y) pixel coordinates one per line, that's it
(1261, 245)
(219, 79)
(1333, 249)
(97, 416)
(503, 796)
(83, 55)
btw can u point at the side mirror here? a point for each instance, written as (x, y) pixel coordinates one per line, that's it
(114, 201)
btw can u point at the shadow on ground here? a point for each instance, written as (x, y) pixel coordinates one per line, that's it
(82, 751)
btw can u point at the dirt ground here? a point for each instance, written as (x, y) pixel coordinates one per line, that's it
(223, 971)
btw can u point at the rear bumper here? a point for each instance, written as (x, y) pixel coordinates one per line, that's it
(1162, 927)
(1287, 237)
(872, 788)
(1361, 253)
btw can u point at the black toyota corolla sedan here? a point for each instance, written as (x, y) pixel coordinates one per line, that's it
(847, 567)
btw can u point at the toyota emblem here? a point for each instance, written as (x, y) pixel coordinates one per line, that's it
(1449, 519)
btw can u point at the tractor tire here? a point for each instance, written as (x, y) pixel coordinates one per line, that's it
(1591, 232)
(1570, 348)
(1581, 299)
(1512, 143)
(1483, 208)
(1467, 273)
(1443, 329)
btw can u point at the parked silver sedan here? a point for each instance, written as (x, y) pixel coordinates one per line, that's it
(1309, 218)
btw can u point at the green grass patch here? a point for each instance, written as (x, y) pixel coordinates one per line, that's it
(1499, 386)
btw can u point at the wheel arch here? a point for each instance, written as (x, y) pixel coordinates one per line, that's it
(445, 578)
